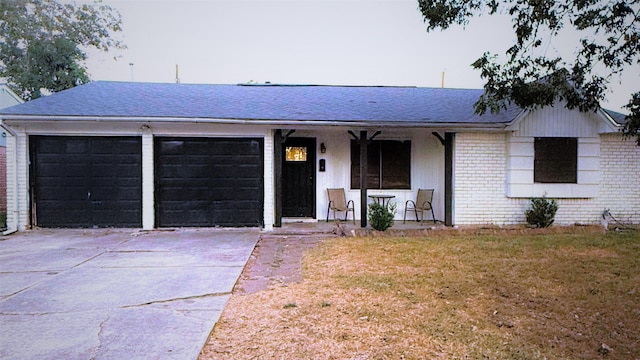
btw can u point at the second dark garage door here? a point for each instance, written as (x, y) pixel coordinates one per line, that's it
(209, 182)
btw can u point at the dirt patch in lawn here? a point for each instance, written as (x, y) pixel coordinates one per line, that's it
(276, 261)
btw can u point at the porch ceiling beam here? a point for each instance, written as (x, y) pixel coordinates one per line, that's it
(353, 135)
(286, 136)
(436, 134)
(356, 138)
(374, 135)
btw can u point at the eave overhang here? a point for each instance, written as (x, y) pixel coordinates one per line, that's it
(363, 124)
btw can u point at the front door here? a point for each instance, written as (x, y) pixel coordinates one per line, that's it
(298, 177)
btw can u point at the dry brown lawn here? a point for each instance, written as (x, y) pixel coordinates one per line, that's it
(571, 294)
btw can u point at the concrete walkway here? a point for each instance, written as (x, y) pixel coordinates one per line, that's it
(116, 294)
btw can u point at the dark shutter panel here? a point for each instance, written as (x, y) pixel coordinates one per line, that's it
(373, 164)
(396, 164)
(556, 160)
(389, 164)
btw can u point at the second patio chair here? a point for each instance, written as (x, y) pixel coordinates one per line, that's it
(422, 204)
(338, 202)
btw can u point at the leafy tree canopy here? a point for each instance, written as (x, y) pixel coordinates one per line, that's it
(43, 43)
(610, 42)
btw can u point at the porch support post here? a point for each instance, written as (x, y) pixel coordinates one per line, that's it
(148, 182)
(277, 159)
(448, 178)
(363, 178)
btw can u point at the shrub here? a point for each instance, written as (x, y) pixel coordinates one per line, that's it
(542, 212)
(380, 216)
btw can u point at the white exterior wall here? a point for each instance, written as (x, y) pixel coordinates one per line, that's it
(17, 181)
(12, 181)
(148, 199)
(480, 181)
(494, 172)
(555, 122)
(427, 169)
(481, 188)
(620, 185)
(18, 161)
(269, 182)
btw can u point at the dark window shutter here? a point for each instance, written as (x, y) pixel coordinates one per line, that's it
(396, 164)
(388, 162)
(556, 160)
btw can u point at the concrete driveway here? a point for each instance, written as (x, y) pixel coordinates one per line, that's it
(116, 294)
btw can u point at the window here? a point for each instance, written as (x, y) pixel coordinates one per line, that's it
(296, 153)
(556, 160)
(388, 162)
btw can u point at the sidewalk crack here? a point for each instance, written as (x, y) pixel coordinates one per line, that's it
(96, 351)
(176, 299)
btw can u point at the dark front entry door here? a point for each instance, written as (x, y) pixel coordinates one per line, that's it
(298, 175)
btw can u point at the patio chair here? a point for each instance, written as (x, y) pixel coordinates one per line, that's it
(422, 204)
(338, 202)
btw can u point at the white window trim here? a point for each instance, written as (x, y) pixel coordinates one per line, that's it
(520, 160)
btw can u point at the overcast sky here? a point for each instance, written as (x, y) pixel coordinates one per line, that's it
(329, 42)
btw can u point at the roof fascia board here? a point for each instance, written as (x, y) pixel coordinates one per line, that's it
(608, 120)
(274, 122)
(513, 125)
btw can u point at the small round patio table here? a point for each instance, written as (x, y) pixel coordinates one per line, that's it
(382, 199)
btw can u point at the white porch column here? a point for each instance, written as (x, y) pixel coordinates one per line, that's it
(148, 211)
(21, 180)
(269, 187)
(12, 181)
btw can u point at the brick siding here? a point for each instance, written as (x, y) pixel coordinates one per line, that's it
(480, 181)
(480, 184)
(620, 185)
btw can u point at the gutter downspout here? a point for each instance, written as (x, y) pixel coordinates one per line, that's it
(11, 228)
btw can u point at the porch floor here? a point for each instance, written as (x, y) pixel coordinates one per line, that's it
(302, 227)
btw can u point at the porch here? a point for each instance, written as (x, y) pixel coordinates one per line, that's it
(348, 228)
(369, 165)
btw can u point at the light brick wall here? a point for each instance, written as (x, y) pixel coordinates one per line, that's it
(23, 180)
(269, 183)
(620, 185)
(148, 210)
(480, 184)
(480, 181)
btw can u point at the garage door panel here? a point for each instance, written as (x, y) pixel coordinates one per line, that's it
(69, 194)
(123, 195)
(209, 182)
(87, 181)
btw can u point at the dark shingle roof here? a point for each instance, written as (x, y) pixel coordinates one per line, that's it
(619, 118)
(390, 105)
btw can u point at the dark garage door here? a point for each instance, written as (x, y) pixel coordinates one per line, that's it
(86, 181)
(209, 182)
